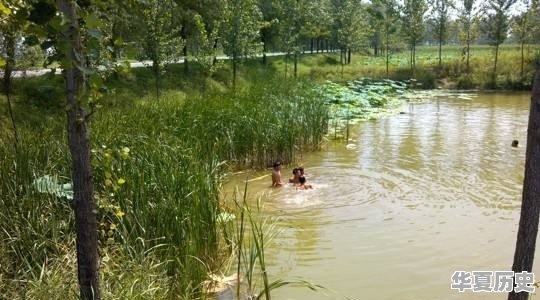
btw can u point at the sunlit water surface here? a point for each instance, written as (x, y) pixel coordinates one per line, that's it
(416, 197)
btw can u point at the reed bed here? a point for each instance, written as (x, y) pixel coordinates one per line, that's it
(158, 169)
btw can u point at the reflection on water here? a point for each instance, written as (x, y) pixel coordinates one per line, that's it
(421, 195)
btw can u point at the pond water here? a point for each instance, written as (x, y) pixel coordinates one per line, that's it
(413, 198)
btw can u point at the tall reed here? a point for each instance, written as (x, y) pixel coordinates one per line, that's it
(158, 168)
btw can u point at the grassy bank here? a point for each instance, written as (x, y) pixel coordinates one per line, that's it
(428, 74)
(158, 167)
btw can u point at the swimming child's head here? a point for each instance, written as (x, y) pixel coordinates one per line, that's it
(301, 169)
(277, 165)
(302, 179)
(515, 143)
(295, 171)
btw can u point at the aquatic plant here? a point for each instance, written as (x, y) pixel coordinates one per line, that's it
(158, 169)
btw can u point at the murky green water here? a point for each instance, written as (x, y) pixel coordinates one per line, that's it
(418, 196)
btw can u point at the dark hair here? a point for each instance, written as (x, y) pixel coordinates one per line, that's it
(294, 171)
(277, 163)
(302, 179)
(301, 169)
(515, 143)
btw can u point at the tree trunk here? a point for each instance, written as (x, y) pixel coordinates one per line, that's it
(265, 47)
(387, 56)
(183, 34)
(318, 44)
(349, 56)
(468, 51)
(234, 67)
(522, 58)
(9, 40)
(387, 59)
(494, 79)
(343, 58)
(286, 64)
(440, 52)
(115, 53)
(79, 147)
(312, 45)
(413, 59)
(530, 204)
(157, 81)
(214, 62)
(295, 63)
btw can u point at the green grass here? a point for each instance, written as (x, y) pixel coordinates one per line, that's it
(320, 68)
(158, 202)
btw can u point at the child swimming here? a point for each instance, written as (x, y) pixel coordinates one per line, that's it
(276, 174)
(295, 177)
(303, 185)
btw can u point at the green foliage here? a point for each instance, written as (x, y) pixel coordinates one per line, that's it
(363, 98)
(50, 185)
(413, 20)
(291, 19)
(496, 24)
(350, 22)
(161, 41)
(206, 53)
(240, 30)
(440, 18)
(158, 168)
(413, 26)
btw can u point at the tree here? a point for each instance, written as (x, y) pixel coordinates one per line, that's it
(530, 204)
(268, 28)
(240, 30)
(496, 27)
(161, 42)
(413, 26)
(350, 25)
(12, 23)
(290, 29)
(468, 21)
(72, 52)
(317, 22)
(204, 42)
(386, 12)
(522, 26)
(440, 11)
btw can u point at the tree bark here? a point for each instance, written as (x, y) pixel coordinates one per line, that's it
(522, 58)
(387, 55)
(468, 50)
(349, 56)
(530, 204)
(155, 68)
(311, 45)
(327, 47)
(494, 79)
(9, 40)
(79, 147)
(265, 47)
(295, 63)
(183, 34)
(440, 51)
(214, 62)
(234, 69)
